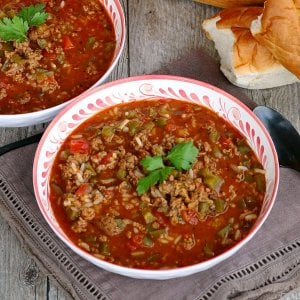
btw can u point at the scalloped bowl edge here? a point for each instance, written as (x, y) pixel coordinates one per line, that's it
(150, 87)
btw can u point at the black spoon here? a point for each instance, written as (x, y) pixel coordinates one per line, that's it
(18, 144)
(285, 137)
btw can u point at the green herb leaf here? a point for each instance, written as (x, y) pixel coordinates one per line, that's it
(151, 163)
(183, 155)
(34, 14)
(14, 29)
(164, 173)
(154, 177)
(146, 182)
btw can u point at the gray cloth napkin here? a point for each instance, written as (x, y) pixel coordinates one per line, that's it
(266, 268)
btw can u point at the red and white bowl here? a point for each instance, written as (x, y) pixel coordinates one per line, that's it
(116, 13)
(151, 87)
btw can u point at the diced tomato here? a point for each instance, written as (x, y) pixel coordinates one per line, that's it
(160, 218)
(83, 189)
(225, 141)
(49, 55)
(190, 216)
(170, 127)
(105, 160)
(109, 194)
(79, 146)
(131, 246)
(135, 241)
(188, 109)
(67, 43)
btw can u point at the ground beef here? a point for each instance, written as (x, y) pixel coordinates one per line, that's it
(109, 225)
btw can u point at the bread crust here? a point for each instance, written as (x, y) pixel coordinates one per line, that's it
(278, 29)
(232, 3)
(244, 61)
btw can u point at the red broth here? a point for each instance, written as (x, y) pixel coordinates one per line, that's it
(188, 216)
(60, 58)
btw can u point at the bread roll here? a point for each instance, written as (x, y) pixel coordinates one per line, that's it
(244, 61)
(232, 3)
(278, 29)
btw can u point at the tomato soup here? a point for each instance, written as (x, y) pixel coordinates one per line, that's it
(156, 184)
(58, 59)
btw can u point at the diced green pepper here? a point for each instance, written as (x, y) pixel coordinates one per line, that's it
(64, 154)
(248, 178)
(244, 149)
(213, 135)
(204, 172)
(90, 42)
(149, 126)
(90, 238)
(160, 122)
(260, 182)
(147, 241)
(133, 126)
(42, 74)
(214, 182)
(107, 131)
(61, 58)
(203, 207)
(89, 167)
(42, 43)
(72, 214)
(224, 232)
(217, 152)
(246, 163)
(157, 233)
(220, 205)
(16, 58)
(104, 249)
(121, 174)
(120, 223)
(207, 250)
(131, 114)
(152, 112)
(148, 216)
(164, 110)
(109, 46)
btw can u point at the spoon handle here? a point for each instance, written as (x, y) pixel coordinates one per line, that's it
(27, 141)
(285, 137)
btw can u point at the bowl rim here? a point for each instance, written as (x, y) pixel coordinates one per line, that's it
(54, 109)
(168, 273)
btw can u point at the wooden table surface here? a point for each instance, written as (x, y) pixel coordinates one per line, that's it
(159, 31)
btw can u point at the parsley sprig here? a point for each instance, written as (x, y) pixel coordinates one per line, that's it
(181, 157)
(16, 28)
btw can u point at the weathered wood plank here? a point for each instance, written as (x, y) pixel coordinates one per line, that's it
(159, 31)
(163, 30)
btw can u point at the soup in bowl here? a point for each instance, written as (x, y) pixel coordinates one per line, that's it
(155, 176)
(52, 52)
